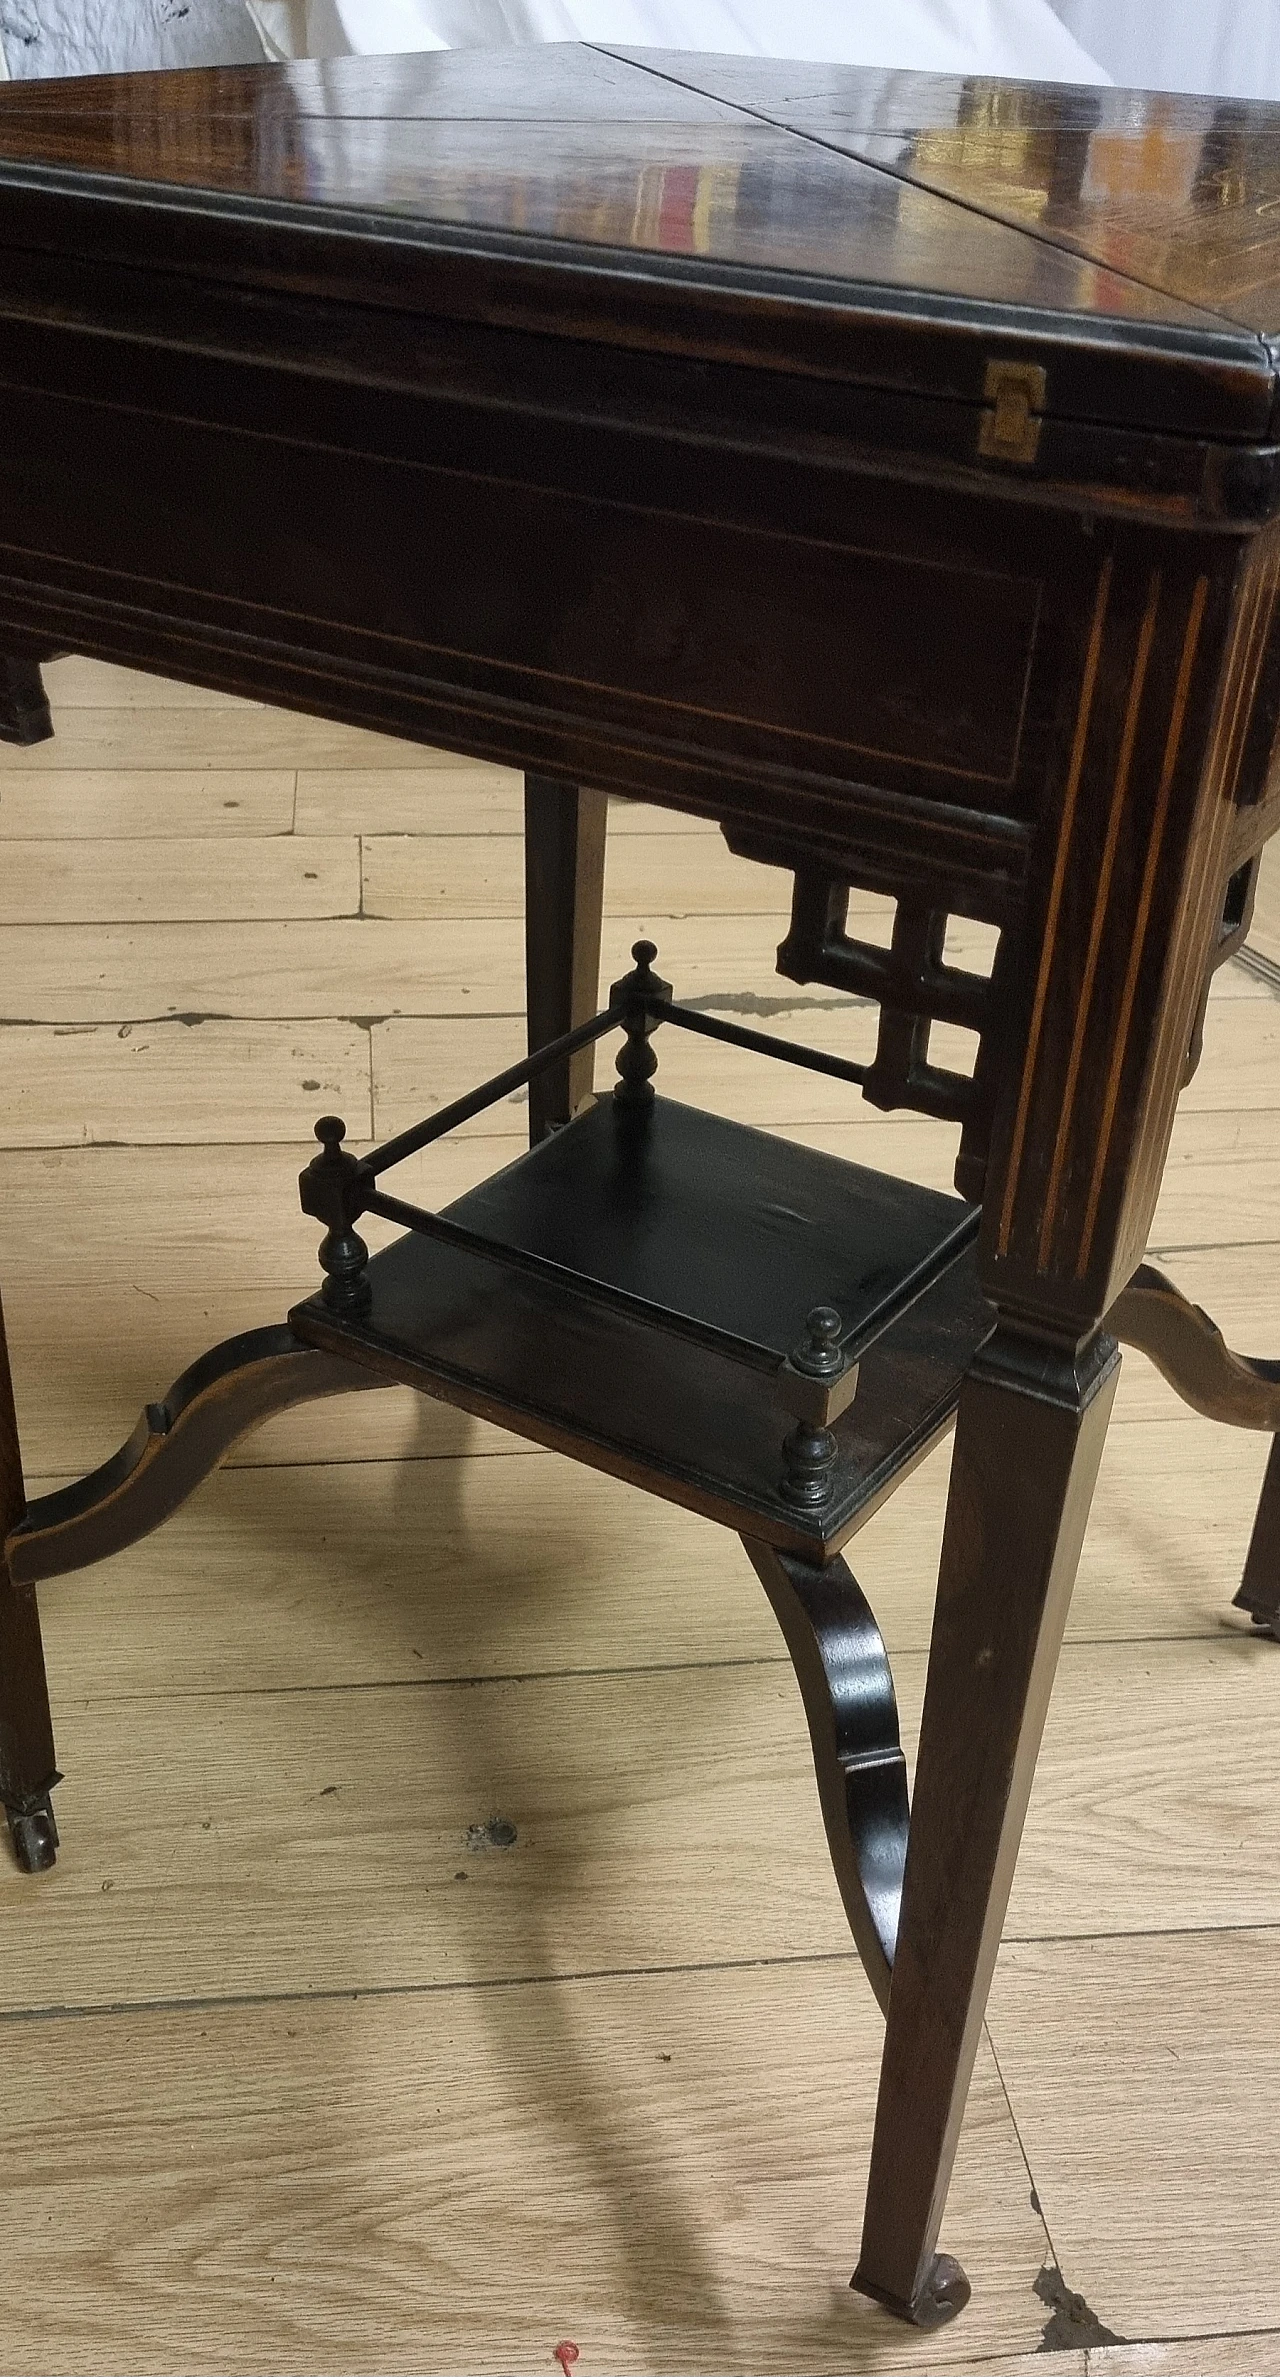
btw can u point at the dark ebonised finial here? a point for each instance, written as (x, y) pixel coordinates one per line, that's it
(819, 1353)
(808, 1466)
(330, 1193)
(637, 1062)
(809, 1452)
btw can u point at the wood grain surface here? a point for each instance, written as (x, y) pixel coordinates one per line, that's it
(373, 2124)
(581, 147)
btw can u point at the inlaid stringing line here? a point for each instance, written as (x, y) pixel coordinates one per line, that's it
(1235, 671)
(1083, 714)
(1221, 768)
(1102, 900)
(1173, 742)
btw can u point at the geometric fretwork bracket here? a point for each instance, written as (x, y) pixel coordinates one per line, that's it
(913, 989)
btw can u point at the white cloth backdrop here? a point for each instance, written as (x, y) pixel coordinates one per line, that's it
(53, 37)
(1018, 37)
(1228, 46)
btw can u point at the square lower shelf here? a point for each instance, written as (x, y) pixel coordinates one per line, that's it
(727, 1227)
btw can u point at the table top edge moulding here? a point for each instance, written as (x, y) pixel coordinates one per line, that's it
(1173, 188)
(884, 491)
(932, 319)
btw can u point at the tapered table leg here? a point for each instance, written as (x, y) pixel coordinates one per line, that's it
(1029, 1438)
(28, 1770)
(564, 840)
(1127, 889)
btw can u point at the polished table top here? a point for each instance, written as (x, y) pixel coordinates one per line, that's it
(1120, 224)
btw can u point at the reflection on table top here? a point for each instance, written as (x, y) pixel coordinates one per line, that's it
(1141, 208)
(1179, 193)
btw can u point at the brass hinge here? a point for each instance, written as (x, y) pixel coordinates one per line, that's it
(1010, 428)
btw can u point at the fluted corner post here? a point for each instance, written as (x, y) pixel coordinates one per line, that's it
(564, 850)
(1124, 903)
(28, 1769)
(331, 1191)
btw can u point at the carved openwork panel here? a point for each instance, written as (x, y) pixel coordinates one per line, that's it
(914, 988)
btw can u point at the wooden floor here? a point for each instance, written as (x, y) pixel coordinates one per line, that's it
(304, 2072)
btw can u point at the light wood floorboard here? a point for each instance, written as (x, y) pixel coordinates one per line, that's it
(178, 880)
(456, 2180)
(92, 1085)
(495, 1568)
(283, 2091)
(317, 1839)
(138, 804)
(1145, 2074)
(1229, 2355)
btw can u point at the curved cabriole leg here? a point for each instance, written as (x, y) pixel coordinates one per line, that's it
(847, 1688)
(176, 1443)
(1190, 1351)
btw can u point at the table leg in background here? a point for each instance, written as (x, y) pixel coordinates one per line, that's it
(564, 842)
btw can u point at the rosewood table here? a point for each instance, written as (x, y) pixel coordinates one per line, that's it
(884, 466)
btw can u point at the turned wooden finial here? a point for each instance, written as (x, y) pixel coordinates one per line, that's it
(819, 1353)
(637, 1062)
(330, 1191)
(809, 1452)
(808, 1466)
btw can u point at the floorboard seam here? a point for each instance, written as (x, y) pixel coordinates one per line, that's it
(1220, 1633)
(376, 1990)
(111, 2009)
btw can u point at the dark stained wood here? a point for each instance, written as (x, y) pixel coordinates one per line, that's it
(706, 1227)
(847, 1687)
(1190, 1351)
(230, 1390)
(595, 154)
(28, 1767)
(1260, 1586)
(1129, 891)
(1177, 190)
(565, 84)
(883, 468)
(564, 842)
(24, 708)
(327, 1189)
(757, 1231)
(1028, 1441)
(564, 141)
